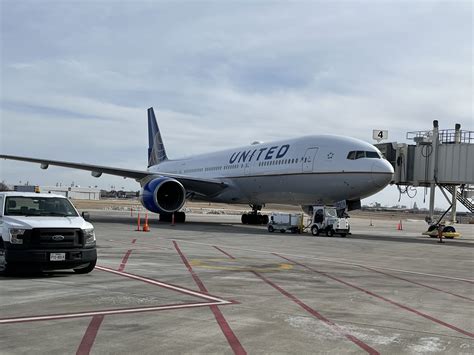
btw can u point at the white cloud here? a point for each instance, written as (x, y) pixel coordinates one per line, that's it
(81, 75)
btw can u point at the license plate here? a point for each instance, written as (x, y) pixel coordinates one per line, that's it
(57, 256)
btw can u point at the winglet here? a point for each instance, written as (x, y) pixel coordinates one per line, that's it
(156, 148)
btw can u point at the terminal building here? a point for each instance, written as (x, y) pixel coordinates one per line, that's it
(72, 192)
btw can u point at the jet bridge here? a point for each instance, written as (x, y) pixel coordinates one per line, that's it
(439, 158)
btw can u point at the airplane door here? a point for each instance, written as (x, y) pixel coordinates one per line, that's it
(247, 169)
(308, 160)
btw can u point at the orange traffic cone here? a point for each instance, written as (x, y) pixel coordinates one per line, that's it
(138, 222)
(146, 227)
(400, 226)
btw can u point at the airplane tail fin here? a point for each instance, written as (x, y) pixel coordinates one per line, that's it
(156, 148)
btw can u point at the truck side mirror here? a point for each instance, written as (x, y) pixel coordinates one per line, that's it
(86, 216)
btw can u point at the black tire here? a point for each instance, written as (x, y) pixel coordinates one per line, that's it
(271, 229)
(86, 269)
(245, 218)
(180, 217)
(330, 232)
(165, 217)
(432, 228)
(449, 229)
(5, 268)
(315, 231)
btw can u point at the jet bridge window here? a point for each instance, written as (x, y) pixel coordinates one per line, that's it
(358, 154)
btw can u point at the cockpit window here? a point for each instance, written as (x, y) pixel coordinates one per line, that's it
(372, 155)
(358, 154)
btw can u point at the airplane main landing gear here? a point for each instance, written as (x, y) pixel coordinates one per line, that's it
(254, 217)
(179, 217)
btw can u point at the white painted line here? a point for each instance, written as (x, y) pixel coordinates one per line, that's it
(165, 285)
(107, 312)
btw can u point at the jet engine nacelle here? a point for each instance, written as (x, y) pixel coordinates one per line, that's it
(163, 195)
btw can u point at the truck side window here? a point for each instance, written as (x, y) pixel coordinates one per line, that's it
(318, 216)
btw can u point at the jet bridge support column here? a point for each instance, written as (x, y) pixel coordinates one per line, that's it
(434, 166)
(457, 140)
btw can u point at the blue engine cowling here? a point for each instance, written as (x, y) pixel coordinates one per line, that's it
(163, 195)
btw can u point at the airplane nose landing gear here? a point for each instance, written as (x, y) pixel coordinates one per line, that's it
(254, 217)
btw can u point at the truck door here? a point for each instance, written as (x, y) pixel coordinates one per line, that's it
(308, 159)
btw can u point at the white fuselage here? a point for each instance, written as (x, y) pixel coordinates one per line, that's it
(303, 171)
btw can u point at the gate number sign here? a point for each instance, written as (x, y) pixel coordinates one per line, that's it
(379, 134)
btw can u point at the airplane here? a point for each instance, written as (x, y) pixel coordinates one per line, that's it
(305, 171)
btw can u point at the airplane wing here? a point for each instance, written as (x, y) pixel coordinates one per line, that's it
(206, 187)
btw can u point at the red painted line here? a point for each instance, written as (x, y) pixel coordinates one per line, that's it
(49, 317)
(134, 240)
(223, 324)
(312, 311)
(90, 335)
(421, 314)
(333, 326)
(224, 252)
(190, 269)
(124, 260)
(417, 283)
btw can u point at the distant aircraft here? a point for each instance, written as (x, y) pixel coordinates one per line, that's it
(306, 171)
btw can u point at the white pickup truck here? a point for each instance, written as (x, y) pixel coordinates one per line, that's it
(45, 232)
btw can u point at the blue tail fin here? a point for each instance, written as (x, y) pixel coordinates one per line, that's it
(156, 149)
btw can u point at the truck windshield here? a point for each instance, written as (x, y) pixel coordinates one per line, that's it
(331, 212)
(38, 206)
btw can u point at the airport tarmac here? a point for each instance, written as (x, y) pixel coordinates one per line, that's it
(212, 285)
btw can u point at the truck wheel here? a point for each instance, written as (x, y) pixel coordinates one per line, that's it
(271, 229)
(330, 232)
(5, 269)
(315, 230)
(86, 269)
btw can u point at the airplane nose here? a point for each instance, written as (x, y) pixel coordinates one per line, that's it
(382, 173)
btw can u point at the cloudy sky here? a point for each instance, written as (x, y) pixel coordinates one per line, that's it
(77, 76)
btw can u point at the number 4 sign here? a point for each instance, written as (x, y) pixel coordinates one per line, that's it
(379, 134)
